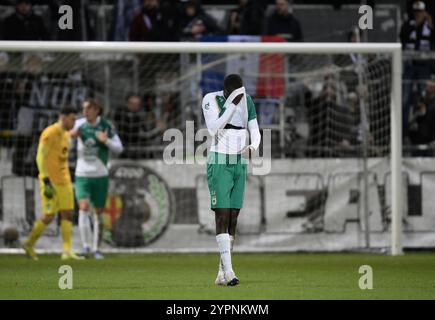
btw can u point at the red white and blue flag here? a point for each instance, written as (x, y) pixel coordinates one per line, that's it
(263, 74)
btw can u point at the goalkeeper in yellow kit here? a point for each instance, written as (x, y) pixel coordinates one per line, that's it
(55, 183)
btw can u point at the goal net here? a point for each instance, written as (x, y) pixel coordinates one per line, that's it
(325, 112)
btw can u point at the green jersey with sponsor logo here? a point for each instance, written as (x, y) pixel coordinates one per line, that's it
(93, 155)
(229, 141)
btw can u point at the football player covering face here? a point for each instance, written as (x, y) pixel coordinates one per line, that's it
(231, 112)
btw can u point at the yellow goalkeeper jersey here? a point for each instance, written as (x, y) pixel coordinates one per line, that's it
(55, 142)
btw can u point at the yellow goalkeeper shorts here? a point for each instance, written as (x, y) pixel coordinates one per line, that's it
(63, 199)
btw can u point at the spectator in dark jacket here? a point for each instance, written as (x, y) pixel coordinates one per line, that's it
(416, 34)
(422, 125)
(138, 127)
(281, 22)
(196, 23)
(129, 121)
(24, 24)
(153, 24)
(6, 92)
(235, 18)
(247, 18)
(252, 17)
(333, 127)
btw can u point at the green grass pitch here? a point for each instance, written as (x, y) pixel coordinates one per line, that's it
(191, 276)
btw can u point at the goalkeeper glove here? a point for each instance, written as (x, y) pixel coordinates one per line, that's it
(48, 188)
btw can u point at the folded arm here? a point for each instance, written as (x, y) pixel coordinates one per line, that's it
(214, 122)
(211, 111)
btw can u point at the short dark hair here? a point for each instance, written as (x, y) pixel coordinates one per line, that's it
(231, 83)
(17, 2)
(66, 110)
(130, 95)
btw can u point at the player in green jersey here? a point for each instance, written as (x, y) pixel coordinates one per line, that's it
(96, 139)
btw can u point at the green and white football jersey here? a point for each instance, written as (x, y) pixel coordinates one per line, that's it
(229, 141)
(93, 155)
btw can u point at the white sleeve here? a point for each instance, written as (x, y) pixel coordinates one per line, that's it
(254, 133)
(79, 123)
(210, 110)
(114, 144)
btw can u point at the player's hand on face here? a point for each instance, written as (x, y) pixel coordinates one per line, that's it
(102, 136)
(237, 99)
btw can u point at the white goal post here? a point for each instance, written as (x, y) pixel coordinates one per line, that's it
(394, 49)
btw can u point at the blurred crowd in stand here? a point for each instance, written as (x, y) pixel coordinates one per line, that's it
(337, 126)
(150, 20)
